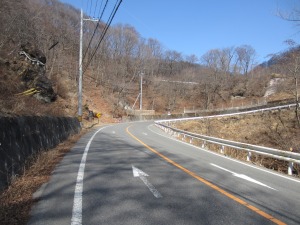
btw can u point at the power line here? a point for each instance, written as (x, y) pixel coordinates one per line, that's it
(100, 9)
(98, 23)
(107, 25)
(99, 18)
(95, 8)
(90, 7)
(87, 5)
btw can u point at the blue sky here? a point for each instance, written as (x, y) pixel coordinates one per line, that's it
(197, 26)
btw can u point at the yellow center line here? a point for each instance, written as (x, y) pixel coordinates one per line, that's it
(240, 201)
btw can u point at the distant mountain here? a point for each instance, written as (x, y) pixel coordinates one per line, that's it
(279, 57)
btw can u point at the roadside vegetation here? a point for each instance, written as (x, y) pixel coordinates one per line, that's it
(220, 78)
(276, 129)
(172, 81)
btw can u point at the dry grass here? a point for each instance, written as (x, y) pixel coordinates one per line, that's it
(14, 103)
(16, 201)
(276, 129)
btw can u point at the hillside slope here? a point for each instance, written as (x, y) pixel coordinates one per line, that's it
(276, 129)
(171, 81)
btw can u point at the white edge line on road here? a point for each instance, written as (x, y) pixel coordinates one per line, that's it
(235, 160)
(77, 204)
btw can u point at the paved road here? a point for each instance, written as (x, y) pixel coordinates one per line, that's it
(135, 174)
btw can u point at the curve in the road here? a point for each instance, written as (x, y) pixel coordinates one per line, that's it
(77, 204)
(240, 201)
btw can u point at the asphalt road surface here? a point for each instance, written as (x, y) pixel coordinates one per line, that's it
(133, 173)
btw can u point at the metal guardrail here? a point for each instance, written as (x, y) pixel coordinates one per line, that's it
(230, 114)
(290, 157)
(140, 112)
(190, 111)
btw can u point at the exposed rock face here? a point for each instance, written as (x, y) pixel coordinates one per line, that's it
(34, 52)
(33, 73)
(273, 84)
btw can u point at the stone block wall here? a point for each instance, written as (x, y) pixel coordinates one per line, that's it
(23, 137)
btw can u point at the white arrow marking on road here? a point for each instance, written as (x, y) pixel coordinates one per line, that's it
(242, 176)
(142, 175)
(144, 133)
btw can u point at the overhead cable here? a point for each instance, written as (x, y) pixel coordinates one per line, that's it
(90, 8)
(107, 25)
(95, 8)
(95, 30)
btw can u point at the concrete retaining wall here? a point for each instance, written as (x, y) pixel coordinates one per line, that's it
(23, 137)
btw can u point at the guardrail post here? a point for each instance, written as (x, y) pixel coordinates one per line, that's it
(290, 169)
(260, 150)
(249, 156)
(222, 149)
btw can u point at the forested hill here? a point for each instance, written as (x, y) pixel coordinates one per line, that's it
(49, 30)
(279, 58)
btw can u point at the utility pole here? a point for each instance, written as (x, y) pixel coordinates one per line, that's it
(80, 66)
(141, 92)
(80, 71)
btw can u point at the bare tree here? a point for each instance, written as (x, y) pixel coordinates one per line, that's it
(246, 56)
(191, 59)
(227, 57)
(155, 58)
(172, 60)
(211, 82)
(292, 16)
(291, 67)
